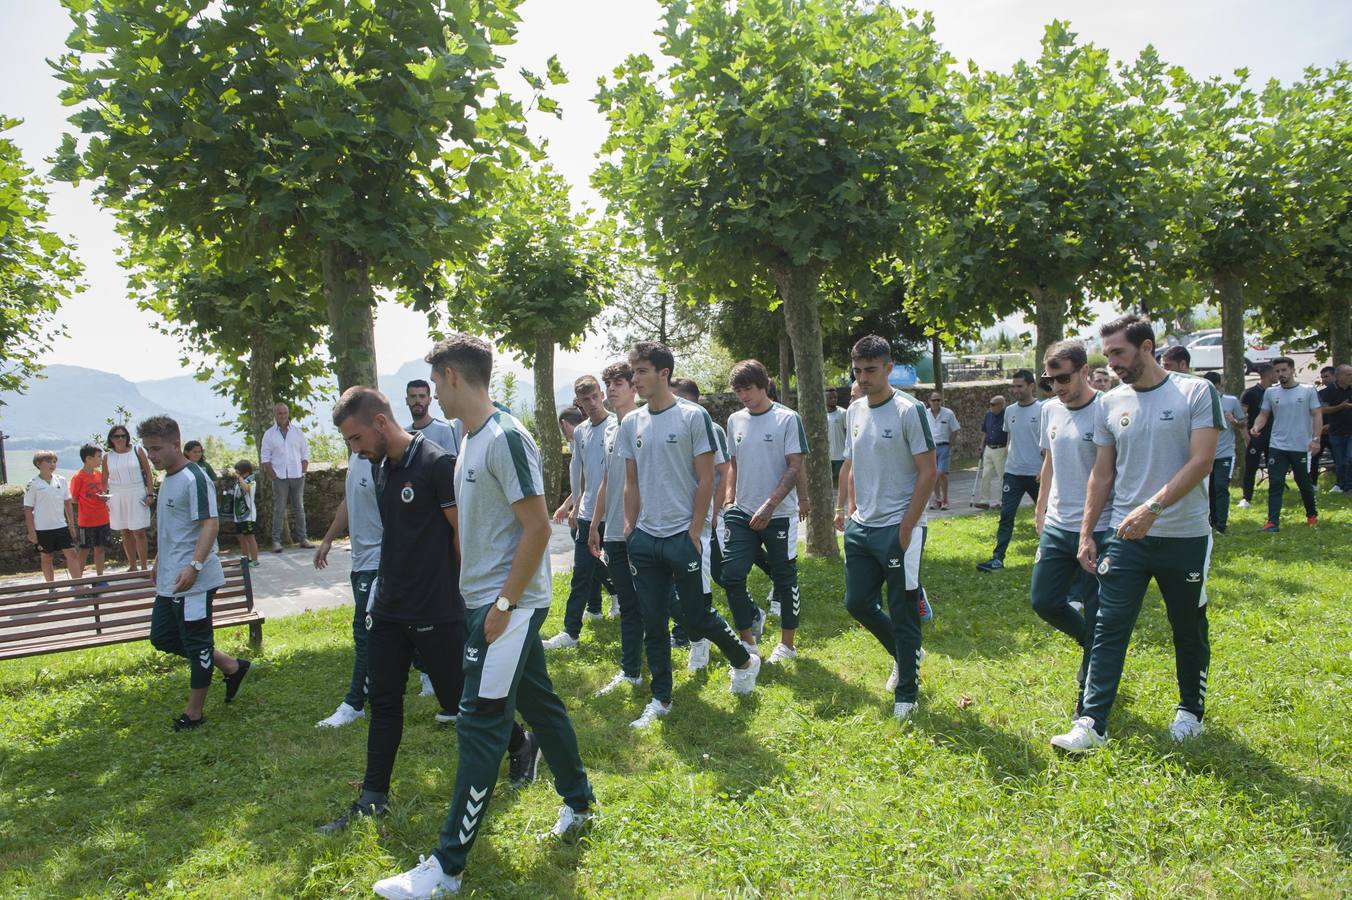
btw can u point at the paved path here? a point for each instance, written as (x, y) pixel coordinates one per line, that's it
(287, 583)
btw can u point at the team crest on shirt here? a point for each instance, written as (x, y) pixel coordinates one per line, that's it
(1124, 421)
(369, 622)
(407, 493)
(638, 443)
(737, 438)
(1104, 565)
(1051, 433)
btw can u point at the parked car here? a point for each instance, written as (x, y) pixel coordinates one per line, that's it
(1205, 348)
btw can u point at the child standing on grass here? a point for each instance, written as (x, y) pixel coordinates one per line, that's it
(50, 515)
(91, 508)
(244, 502)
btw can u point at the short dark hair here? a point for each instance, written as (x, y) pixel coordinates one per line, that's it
(158, 426)
(1213, 377)
(1178, 354)
(617, 371)
(572, 415)
(1138, 329)
(1070, 351)
(1284, 360)
(1262, 368)
(362, 403)
(1025, 375)
(470, 356)
(244, 467)
(870, 346)
(193, 445)
(1327, 370)
(418, 383)
(655, 353)
(584, 385)
(686, 388)
(749, 373)
(89, 450)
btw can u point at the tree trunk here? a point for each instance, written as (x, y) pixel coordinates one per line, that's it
(785, 365)
(798, 289)
(1340, 331)
(1049, 312)
(547, 421)
(937, 353)
(262, 361)
(1230, 298)
(351, 305)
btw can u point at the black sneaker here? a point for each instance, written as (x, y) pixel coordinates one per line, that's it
(183, 723)
(354, 812)
(994, 564)
(680, 642)
(232, 682)
(521, 764)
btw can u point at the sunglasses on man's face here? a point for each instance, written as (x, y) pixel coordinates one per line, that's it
(1063, 378)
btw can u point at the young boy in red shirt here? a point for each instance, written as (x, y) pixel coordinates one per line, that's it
(91, 505)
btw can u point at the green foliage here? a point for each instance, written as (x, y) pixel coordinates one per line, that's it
(38, 269)
(808, 789)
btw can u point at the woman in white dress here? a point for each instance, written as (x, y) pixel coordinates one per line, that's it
(126, 472)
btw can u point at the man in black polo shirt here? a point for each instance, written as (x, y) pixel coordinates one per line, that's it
(416, 605)
(1337, 408)
(1252, 401)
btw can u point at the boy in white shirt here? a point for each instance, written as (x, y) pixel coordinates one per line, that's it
(50, 516)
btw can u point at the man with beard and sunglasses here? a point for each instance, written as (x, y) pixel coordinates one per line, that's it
(1156, 438)
(1069, 453)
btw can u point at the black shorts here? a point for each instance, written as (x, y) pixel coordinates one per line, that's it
(245, 527)
(54, 539)
(92, 536)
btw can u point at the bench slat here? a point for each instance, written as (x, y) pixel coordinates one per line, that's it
(102, 594)
(84, 621)
(102, 605)
(21, 651)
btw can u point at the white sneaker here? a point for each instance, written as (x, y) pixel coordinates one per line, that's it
(655, 710)
(561, 641)
(589, 616)
(426, 686)
(570, 822)
(893, 678)
(902, 711)
(422, 882)
(775, 609)
(1081, 738)
(782, 653)
(618, 681)
(1335, 490)
(614, 608)
(1243, 504)
(1077, 606)
(1185, 726)
(343, 715)
(699, 655)
(744, 680)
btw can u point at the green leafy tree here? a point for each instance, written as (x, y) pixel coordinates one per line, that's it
(38, 270)
(540, 284)
(1062, 188)
(367, 136)
(788, 140)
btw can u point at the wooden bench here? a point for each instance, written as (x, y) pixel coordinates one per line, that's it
(75, 614)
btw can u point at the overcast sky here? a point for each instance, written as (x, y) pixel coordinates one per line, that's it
(1271, 39)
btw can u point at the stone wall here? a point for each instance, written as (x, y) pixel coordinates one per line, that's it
(969, 403)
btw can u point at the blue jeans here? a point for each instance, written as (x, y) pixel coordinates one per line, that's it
(1341, 445)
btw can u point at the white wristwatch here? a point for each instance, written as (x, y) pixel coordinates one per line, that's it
(504, 605)
(197, 565)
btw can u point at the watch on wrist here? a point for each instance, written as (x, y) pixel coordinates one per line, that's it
(504, 605)
(197, 565)
(1154, 507)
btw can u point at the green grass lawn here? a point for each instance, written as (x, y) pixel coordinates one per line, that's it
(807, 788)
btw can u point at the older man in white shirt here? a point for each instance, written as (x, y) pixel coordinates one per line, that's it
(285, 456)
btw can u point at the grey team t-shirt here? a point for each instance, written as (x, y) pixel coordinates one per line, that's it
(1023, 424)
(500, 465)
(1292, 413)
(1068, 435)
(663, 446)
(1225, 446)
(759, 442)
(613, 514)
(589, 450)
(881, 443)
(1152, 431)
(186, 498)
(445, 435)
(835, 433)
(364, 526)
